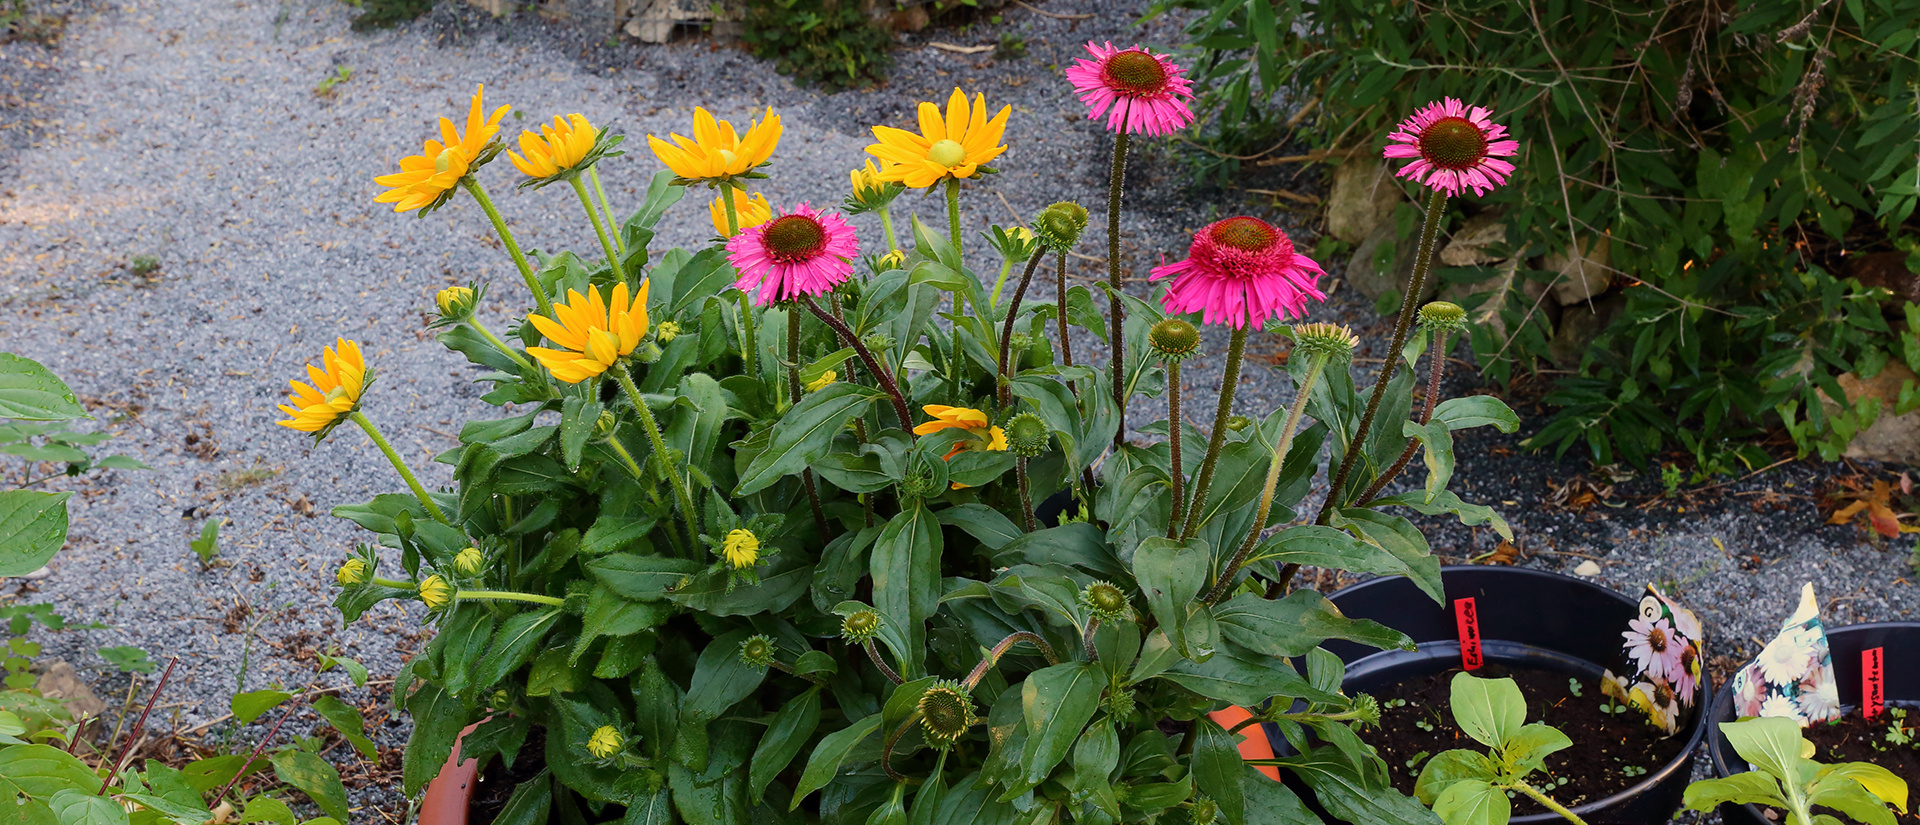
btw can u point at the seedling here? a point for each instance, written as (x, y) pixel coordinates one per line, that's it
(1467, 787)
(1897, 731)
(1573, 687)
(207, 546)
(144, 266)
(341, 74)
(1785, 777)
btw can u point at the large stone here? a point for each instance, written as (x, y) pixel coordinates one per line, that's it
(1362, 198)
(61, 682)
(1483, 299)
(1382, 263)
(1578, 326)
(1581, 276)
(1894, 438)
(1481, 240)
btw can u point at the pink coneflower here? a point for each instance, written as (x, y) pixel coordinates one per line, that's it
(1138, 91)
(799, 253)
(1241, 271)
(1454, 147)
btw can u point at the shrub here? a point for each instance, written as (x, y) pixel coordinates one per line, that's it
(831, 43)
(1742, 159)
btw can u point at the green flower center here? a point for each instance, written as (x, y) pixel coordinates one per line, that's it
(1453, 143)
(795, 237)
(1249, 234)
(1106, 598)
(863, 623)
(948, 712)
(1174, 336)
(1135, 71)
(947, 153)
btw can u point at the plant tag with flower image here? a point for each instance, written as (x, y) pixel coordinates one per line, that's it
(1660, 662)
(1467, 618)
(1793, 675)
(1873, 682)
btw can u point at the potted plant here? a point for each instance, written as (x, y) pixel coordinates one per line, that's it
(758, 542)
(1560, 637)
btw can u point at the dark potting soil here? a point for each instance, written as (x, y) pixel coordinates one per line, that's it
(1610, 753)
(498, 781)
(1853, 739)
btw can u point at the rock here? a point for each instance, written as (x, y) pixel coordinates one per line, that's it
(1382, 264)
(1891, 438)
(1587, 568)
(1887, 270)
(1480, 241)
(1582, 277)
(1362, 199)
(1578, 327)
(61, 682)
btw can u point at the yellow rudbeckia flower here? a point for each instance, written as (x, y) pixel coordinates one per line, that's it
(594, 333)
(993, 439)
(953, 146)
(716, 153)
(427, 179)
(750, 209)
(556, 148)
(335, 391)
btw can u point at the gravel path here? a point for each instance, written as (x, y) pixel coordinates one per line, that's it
(189, 130)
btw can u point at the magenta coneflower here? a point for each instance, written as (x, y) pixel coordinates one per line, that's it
(802, 252)
(1140, 92)
(1454, 147)
(1241, 271)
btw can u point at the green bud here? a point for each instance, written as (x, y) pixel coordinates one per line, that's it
(860, 627)
(1441, 315)
(877, 341)
(1332, 340)
(946, 712)
(1059, 226)
(605, 425)
(1174, 339)
(470, 561)
(1106, 602)
(352, 572)
(757, 651)
(1236, 423)
(1027, 435)
(666, 332)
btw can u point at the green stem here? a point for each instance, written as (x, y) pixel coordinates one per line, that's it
(953, 213)
(1004, 384)
(1006, 266)
(614, 225)
(1225, 584)
(403, 585)
(498, 344)
(1235, 347)
(886, 223)
(1436, 369)
(599, 228)
(733, 214)
(749, 348)
(659, 444)
(795, 392)
(506, 237)
(380, 441)
(505, 596)
(1026, 497)
(626, 457)
(993, 656)
(1178, 477)
(1548, 803)
(1115, 282)
(1436, 204)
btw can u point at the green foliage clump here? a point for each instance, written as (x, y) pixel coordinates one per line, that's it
(1737, 158)
(831, 43)
(385, 14)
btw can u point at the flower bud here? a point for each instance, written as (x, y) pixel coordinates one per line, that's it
(605, 425)
(1236, 423)
(946, 712)
(605, 742)
(1120, 703)
(892, 260)
(1368, 710)
(435, 592)
(352, 572)
(666, 332)
(1105, 602)
(877, 341)
(1204, 811)
(741, 549)
(470, 561)
(456, 303)
(1020, 342)
(1442, 315)
(825, 380)
(1059, 226)
(501, 700)
(757, 651)
(869, 192)
(860, 627)
(1174, 339)
(1027, 435)
(1332, 340)
(648, 353)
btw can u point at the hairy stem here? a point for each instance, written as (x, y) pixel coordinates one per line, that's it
(1548, 803)
(993, 656)
(659, 444)
(413, 484)
(866, 357)
(886, 223)
(1178, 476)
(600, 229)
(1436, 368)
(612, 224)
(885, 669)
(119, 762)
(1026, 497)
(619, 449)
(733, 212)
(1225, 584)
(505, 596)
(1060, 293)
(498, 344)
(1005, 381)
(750, 347)
(1218, 438)
(506, 237)
(953, 213)
(1115, 281)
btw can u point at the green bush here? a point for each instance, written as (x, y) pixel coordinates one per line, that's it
(1737, 157)
(826, 42)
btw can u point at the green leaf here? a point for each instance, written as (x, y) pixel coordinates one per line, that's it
(33, 527)
(77, 807)
(720, 678)
(268, 809)
(1476, 411)
(314, 777)
(437, 720)
(1461, 765)
(646, 578)
(128, 659)
(1873, 779)
(1473, 802)
(1769, 743)
(1530, 746)
(1244, 680)
(1171, 574)
(906, 579)
(512, 646)
(1217, 768)
(1272, 803)
(983, 523)
(786, 734)
(805, 433)
(1345, 795)
(1489, 710)
(1057, 702)
(1749, 788)
(29, 392)
(1298, 623)
(346, 719)
(1438, 453)
(249, 706)
(530, 803)
(175, 811)
(833, 749)
(463, 639)
(42, 771)
(1317, 545)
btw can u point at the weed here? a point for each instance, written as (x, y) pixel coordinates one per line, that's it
(207, 546)
(1010, 47)
(1671, 477)
(1573, 687)
(144, 266)
(236, 480)
(128, 659)
(341, 74)
(385, 14)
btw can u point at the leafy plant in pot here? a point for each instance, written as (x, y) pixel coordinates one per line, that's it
(723, 567)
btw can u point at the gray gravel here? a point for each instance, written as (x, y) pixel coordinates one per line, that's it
(189, 130)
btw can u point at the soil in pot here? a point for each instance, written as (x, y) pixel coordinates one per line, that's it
(1610, 753)
(498, 781)
(1853, 739)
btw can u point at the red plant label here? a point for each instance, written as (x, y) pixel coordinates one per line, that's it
(1468, 620)
(1873, 682)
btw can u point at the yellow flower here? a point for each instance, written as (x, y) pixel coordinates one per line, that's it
(893, 260)
(594, 333)
(991, 438)
(353, 572)
(435, 592)
(604, 742)
(470, 561)
(867, 183)
(825, 380)
(954, 146)
(425, 179)
(335, 391)
(715, 152)
(455, 301)
(750, 210)
(741, 549)
(555, 148)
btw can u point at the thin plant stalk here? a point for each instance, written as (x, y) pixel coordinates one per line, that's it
(1026, 496)
(1178, 476)
(626, 457)
(1436, 369)
(1060, 293)
(413, 484)
(885, 669)
(795, 393)
(599, 229)
(1004, 383)
(1115, 282)
(1225, 583)
(953, 213)
(886, 223)
(1548, 803)
(749, 346)
(139, 728)
(993, 656)
(1218, 438)
(513, 248)
(612, 224)
(255, 754)
(498, 344)
(652, 428)
(1006, 267)
(733, 213)
(1436, 206)
(506, 596)
(866, 356)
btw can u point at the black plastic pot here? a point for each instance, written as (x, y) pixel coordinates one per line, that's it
(1528, 618)
(1901, 640)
